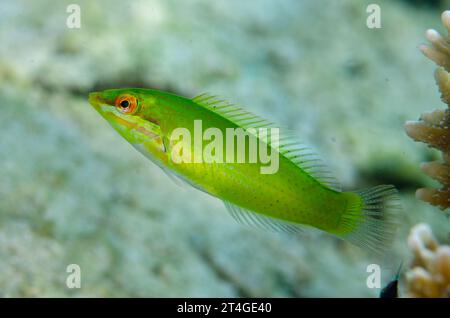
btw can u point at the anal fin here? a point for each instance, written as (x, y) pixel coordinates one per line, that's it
(263, 222)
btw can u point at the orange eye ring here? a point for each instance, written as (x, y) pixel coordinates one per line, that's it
(126, 103)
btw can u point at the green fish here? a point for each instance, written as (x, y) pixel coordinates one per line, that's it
(271, 181)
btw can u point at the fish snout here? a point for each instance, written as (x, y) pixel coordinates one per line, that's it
(95, 99)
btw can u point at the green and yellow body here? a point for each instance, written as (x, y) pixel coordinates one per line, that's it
(294, 194)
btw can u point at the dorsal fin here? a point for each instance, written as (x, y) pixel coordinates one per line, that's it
(289, 147)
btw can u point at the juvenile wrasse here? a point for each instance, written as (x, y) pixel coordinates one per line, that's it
(300, 193)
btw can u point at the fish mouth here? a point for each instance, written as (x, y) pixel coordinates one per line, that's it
(96, 100)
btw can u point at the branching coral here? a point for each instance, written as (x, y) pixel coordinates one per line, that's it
(434, 128)
(429, 275)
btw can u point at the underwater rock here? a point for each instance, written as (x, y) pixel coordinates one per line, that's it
(429, 275)
(433, 128)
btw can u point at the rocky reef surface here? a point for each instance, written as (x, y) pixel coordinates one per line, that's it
(429, 273)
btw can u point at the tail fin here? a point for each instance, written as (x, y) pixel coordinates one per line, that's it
(373, 218)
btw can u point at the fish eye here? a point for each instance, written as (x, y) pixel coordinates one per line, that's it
(126, 103)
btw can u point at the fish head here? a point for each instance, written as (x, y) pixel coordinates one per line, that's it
(131, 112)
